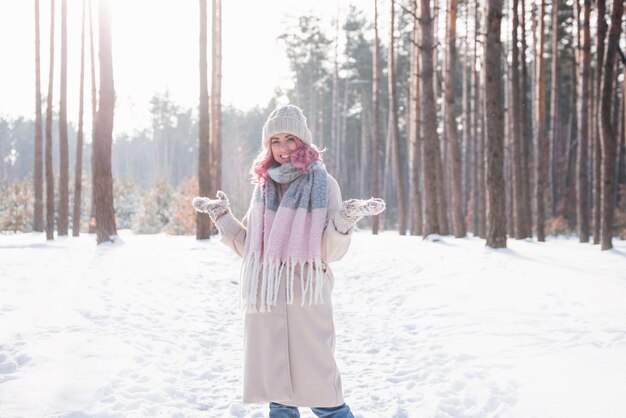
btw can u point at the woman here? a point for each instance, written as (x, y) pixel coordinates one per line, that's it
(295, 226)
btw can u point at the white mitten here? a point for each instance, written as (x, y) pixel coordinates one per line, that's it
(353, 210)
(216, 208)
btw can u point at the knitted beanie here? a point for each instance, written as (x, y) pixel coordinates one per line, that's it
(286, 119)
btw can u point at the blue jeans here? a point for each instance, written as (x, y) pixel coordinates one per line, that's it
(283, 411)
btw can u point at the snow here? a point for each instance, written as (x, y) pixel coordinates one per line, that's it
(149, 327)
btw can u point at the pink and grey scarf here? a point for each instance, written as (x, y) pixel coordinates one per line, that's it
(285, 237)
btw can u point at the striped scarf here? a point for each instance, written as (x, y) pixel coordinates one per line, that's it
(285, 237)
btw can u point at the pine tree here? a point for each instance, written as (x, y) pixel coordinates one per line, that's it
(496, 216)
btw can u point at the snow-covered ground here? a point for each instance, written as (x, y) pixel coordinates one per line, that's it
(150, 328)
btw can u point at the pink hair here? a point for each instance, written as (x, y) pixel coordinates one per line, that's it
(264, 160)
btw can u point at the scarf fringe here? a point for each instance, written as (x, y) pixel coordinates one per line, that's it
(269, 273)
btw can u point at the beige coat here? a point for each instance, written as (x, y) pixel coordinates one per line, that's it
(289, 352)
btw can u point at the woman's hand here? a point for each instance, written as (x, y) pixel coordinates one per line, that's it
(354, 210)
(216, 208)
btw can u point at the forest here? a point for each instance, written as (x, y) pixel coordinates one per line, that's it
(500, 119)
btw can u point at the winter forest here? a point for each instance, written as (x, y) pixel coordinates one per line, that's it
(493, 284)
(499, 119)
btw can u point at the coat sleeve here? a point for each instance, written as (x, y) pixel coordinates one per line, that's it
(335, 244)
(233, 232)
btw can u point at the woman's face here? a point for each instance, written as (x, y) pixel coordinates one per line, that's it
(283, 145)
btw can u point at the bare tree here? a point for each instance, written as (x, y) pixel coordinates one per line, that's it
(597, 148)
(393, 124)
(555, 119)
(452, 139)
(78, 169)
(429, 123)
(496, 214)
(49, 172)
(541, 143)
(203, 221)
(608, 136)
(583, 127)
(414, 142)
(38, 169)
(375, 140)
(516, 160)
(63, 145)
(526, 210)
(94, 117)
(103, 177)
(216, 98)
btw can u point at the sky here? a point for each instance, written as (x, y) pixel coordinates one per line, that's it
(155, 49)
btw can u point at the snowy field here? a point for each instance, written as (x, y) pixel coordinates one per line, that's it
(150, 328)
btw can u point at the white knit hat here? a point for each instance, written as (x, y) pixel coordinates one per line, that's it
(286, 119)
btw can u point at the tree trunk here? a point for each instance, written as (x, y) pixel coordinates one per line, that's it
(467, 123)
(608, 139)
(64, 180)
(452, 139)
(38, 169)
(105, 213)
(597, 149)
(216, 96)
(94, 117)
(415, 142)
(375, 140)
(49, 171)
(516, 140)
(440, 160)
(583, 128)
(555, 135)
(429, 123)
(526, 209)
(203, 221)
(496, 213)
(541, 144)
(78, 173)
(393, 130)
(476, 161)
(334, 125)
(622, 149)
(215, 140)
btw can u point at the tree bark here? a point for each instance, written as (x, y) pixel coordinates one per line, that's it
(582, 187)
(78, 173)
(393, 120)
(375, 141)
(475, 161)
(216, 98)
(215, 153)
(49, 170)
(105, 213)
(94, 118)
(496, 212)
(467, 121)
(516, 140)
(452, 139)
(526, 209)
(38, 169)
(429, 124)
(64, 180)
(608, 138)
(203, 221)
(541, 144)
(415, 142)
(555, 134)
(597, 149)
